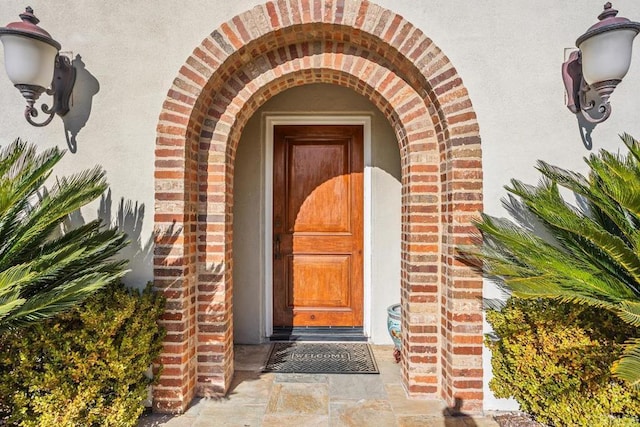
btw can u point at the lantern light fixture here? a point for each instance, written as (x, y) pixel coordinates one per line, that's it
(34, 66)
(592, 73)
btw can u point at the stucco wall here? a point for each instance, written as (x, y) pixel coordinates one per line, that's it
(248, 214)
(508, 53)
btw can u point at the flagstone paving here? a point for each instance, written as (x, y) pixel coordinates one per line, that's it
(283, 400)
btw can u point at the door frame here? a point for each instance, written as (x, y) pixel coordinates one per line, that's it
(271, 120)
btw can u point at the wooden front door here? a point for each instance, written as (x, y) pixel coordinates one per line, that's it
(317, 226)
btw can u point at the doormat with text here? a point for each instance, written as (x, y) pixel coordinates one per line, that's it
(321, 358)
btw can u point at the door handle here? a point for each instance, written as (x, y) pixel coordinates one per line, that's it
(276, 249)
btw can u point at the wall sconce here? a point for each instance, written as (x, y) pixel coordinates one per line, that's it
(33, 64)
(592, 73)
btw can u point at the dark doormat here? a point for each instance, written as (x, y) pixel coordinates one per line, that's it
(321, 358)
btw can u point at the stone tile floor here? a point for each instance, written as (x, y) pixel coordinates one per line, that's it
(282, 400)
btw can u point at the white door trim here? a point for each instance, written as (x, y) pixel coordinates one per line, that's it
(271, 120)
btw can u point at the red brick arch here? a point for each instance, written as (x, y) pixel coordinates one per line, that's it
(256, 55)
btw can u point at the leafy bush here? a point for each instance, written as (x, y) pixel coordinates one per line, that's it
(555, 360)
(85, 367)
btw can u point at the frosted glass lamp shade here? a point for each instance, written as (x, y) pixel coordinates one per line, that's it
(28, 61)
(34, 67)
(607, 56)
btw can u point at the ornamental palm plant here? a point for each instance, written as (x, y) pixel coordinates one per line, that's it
(44, 270)
(586, 253)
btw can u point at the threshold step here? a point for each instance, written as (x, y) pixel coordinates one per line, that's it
(326, 333)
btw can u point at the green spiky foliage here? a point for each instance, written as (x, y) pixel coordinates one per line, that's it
(43, 269)
(585, 252)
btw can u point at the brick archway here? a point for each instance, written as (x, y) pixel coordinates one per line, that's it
(246, 61)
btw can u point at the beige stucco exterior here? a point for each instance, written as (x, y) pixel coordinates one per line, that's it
(508, 54)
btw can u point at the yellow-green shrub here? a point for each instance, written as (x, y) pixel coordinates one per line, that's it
(555, 360)
(85, 367)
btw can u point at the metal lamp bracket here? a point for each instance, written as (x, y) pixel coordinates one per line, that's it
(64, 77)
(590, 101)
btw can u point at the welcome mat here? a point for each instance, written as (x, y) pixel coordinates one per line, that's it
(321, 358)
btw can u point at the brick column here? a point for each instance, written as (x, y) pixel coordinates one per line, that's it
(174, 265)
(462, 300)
(420, 265)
